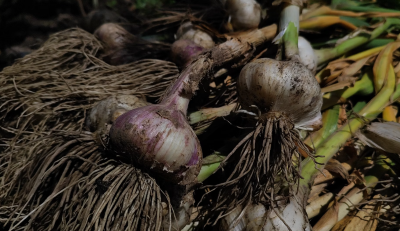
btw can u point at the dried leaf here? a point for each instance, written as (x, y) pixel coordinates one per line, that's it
(383, 136)
(355, 67)
(337, 167)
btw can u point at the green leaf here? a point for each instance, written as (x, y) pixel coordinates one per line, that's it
(111, 3)
(355, 21)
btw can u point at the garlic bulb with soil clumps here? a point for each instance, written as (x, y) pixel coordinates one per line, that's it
(244, 14)
(199, 37)
(284, 88)
(190, 43)
(287, 97)
(106, 111)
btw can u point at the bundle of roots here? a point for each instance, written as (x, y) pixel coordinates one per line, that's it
(264, 171)
(68, 184)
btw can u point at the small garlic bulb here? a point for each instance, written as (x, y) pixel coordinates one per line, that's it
(183, 51)
(245, 14)
(307, 56)
(108, 110)
(293, 214)
(199, 37)
(282, 86)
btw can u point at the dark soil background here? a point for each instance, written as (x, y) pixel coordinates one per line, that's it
(26, 24)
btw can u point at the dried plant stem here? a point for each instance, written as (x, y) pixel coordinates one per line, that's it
(351, 199)
(315, 207)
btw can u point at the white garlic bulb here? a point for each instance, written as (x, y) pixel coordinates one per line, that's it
(282, 86)
(106, 111)
(187, 31)
(245, 14)
(307, 56)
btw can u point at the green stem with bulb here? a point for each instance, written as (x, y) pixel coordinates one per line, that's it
(289, 23)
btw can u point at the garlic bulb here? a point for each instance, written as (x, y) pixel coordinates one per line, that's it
(158, 137)
(307, 56)
(113, 35)
(257, 218)
(287, 97)
(244, 14)
(293, 214)
(184, 51)
(282, 86)
(108, 110)
(199, 37)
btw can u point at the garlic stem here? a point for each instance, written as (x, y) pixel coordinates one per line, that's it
(364, 86)
(330, 120)
(210, 113)
(325, 55)
(289, 24)
(291, 13)
(207, 170)
(366, 53)
(384, 59)
(290, 39)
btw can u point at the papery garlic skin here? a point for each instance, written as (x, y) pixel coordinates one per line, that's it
(199, 37)
(245, 14)
(159, 138)
(282, 86)
(307, 56)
